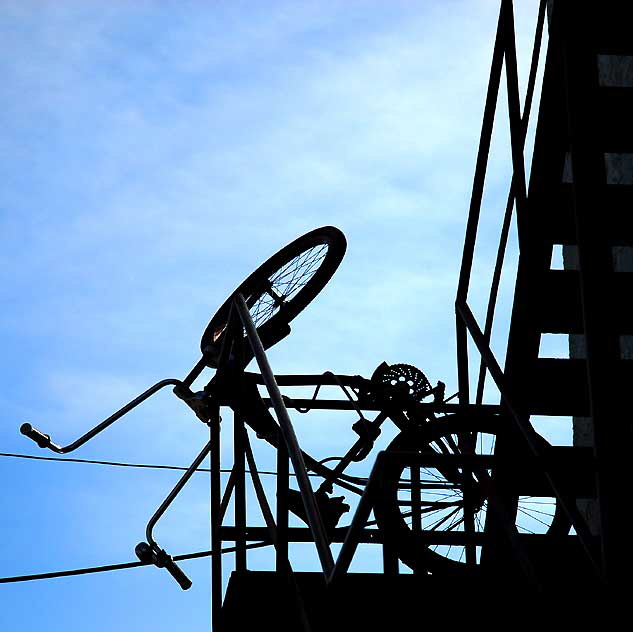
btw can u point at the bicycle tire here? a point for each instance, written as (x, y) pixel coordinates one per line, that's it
(433, 437)
(315, 255)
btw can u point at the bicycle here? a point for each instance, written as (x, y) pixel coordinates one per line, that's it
(274, 294)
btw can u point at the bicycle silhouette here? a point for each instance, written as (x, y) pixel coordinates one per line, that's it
(444, 499)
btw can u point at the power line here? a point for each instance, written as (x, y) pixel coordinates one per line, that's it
(141, 465)
(117, 463)
(95, 462)
(117, 567)
(122, 464)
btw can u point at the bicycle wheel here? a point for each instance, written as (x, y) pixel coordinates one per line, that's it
(281, 287)
(446, 498)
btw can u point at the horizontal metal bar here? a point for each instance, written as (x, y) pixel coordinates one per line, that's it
(315, 379)
(299, 534)
(375, 536)
(342, 404)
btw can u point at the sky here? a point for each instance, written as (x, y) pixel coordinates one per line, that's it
(152, 154)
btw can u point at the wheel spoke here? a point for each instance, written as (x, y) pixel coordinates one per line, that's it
(441, 521)
(528, 514)
(548, 514)
(442, 506)
(286, 283)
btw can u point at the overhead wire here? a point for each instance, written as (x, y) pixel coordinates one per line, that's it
(117, 567)
(122, 464)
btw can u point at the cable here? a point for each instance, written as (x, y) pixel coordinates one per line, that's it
(94, 462)
(117, 567)
(120, 464)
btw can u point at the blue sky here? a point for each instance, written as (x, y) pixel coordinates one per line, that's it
(152, 154)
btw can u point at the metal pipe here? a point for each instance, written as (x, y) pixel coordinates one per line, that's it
(44, 440)
(315, 379)
(240, 492)
(283, 472)
(312, 510)
(260, 493)
(216, 522)
(422, 408)
(475, 207)
(195, 372)
(482, 161)
(517, 136)
(351, 453)
(175, 491)
(507, 218)
(359, 520)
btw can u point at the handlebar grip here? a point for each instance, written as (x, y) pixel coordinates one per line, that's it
(176, 572)
(42, 440)
(144, 552)
(159, 557)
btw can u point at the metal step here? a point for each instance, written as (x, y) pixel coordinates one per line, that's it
(551, 218)
(612, 28)
(559, 387)
(613, 118)
(554, 303)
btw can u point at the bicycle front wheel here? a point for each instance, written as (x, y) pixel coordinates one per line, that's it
(281, 287)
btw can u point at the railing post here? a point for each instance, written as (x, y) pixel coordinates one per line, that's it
(390, 564)
(359, 521)
(463, 378)
(281, 553)
(216, 520)
(475, 209)
(240, 493)
(416, 513)
(517, 136)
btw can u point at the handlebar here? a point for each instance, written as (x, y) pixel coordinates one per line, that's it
(44, 440)
(176, 572)
(160, 558)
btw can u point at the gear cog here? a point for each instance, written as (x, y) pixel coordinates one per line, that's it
(399, 382)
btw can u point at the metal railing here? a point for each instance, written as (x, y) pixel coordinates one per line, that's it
(276, 532)
(504, 54)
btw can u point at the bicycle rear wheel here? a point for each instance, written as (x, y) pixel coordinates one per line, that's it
(281, 288)
(441, 504)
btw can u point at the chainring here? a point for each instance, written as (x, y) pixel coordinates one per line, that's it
(399, 382)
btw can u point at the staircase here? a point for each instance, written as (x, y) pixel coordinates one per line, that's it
(580, 196)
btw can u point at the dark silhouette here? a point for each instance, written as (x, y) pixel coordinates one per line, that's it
(468, 496)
